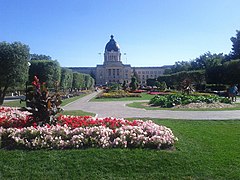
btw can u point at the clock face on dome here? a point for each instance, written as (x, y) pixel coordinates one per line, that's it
(112, 45)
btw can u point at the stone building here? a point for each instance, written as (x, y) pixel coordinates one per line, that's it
(114, 71)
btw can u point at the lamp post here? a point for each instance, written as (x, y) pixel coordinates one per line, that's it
(125, 54)
(26, 85)
(100, 56)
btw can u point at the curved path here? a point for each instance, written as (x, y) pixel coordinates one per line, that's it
(120, 110)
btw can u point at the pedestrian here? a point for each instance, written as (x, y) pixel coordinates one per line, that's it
(232, 93)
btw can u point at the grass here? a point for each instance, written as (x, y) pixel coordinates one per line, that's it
(206, 150)
(16, 103)
(65, 102)
(77, 113)
(144, 96)
(69, 100)
(142, 105)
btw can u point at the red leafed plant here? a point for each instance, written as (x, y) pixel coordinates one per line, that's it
(41, 104)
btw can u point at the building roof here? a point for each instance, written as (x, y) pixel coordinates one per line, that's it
(112, 45)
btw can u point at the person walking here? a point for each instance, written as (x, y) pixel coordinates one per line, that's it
(232, 93)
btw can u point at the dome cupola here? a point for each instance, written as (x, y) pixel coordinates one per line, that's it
(112, 45)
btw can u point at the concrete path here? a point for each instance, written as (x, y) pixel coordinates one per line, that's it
(120, 110)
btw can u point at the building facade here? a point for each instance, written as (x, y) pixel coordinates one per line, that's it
(114, 71)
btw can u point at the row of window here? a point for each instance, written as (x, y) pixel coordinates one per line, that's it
(113, 76)
(149, 72)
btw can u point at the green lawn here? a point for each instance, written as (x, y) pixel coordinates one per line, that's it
(77, 113)
(16, 103)
(143, 106)
(145, 96)
(205, 150)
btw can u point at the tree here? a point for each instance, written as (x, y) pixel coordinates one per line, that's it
(181, 66)
(78, 80)
(13, 66)
(133, 85)
(162, 86)
(124, 85)
(89, 81)
(136, 75)
(39, 57)
(236, 46)
(66, 78)
(48, 71)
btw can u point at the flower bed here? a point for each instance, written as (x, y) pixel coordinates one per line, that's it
(158, 93)
(12, 117)
(172, 100)
(86, 131)
(118, 94)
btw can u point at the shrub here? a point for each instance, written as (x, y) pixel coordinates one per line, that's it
(171, 100)
(42, 106)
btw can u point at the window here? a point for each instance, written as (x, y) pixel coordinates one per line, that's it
(109, 72)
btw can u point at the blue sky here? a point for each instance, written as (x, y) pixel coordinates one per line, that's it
(150, 32)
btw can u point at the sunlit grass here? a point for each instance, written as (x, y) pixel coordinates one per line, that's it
(205, 150)
(77, 113)
(16, 103)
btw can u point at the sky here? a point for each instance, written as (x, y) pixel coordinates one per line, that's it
(149, 32)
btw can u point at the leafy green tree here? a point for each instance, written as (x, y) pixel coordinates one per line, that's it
(162, 86)
(207, 60)
(136, 75)
(133, 84)
(13, 66)
(124, 85)
(78, 80)
(181, 66)
(66, 78)
(39, 57)
(48, 71)
(89, 81)
(236, 46)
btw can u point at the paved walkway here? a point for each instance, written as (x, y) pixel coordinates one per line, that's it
(120, 110)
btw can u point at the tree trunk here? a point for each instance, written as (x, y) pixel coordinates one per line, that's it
(1, 98)
(2, 94)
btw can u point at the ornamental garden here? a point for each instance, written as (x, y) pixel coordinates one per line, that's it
(38, 140)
